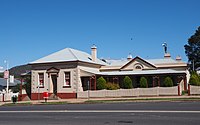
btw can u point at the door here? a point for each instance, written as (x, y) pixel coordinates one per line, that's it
(156, 82)
(54, 81)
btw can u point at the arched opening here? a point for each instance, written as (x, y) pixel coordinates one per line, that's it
(156, 81)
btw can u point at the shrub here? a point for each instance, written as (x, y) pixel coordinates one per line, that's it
(101, 83)
(194, 79)
(184, 92)
(127, 83)
(168, 82)
(14, 99)
(143, 82)
(111, 86)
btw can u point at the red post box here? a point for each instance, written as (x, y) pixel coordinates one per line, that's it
(45, 96)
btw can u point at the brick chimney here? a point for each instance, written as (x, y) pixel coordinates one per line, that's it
(94, 53)
(178, 58)
(167, 55)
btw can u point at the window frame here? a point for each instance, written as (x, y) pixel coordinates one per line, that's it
(65, 85)
(138, 65)
(39, 85)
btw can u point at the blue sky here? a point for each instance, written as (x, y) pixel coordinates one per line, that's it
(30, 30)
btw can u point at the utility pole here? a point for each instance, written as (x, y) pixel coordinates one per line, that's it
(88, 90)
(7, 79)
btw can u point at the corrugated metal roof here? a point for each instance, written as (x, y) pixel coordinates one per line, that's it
(117, 62)
(90, 70)
(4, 83)
(134, 72)
(122, 62)
(162, 61)
(143, 72)
(68, 54)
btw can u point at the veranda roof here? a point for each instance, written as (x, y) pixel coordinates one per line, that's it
(144, 72)
(4, 83)
(134, 72)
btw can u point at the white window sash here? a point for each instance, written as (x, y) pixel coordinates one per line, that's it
(69, 79)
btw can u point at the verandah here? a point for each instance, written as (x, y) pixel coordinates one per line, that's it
(152, 80)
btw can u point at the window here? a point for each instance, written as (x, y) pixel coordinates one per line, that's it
(67, 79)
(138, 67)
(41, 79)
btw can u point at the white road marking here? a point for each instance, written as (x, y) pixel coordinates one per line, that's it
(100, 111)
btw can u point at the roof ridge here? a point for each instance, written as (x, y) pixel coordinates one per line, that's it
(137, 57)
(70, 50)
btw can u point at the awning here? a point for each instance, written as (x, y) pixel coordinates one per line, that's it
(86, 71)
(144, 72)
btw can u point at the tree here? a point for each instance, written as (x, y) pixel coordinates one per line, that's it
(192, 49)
(168, 82)
(16, 88)
(194, 79)
(143, 82)
(127, 83)
(101, 83)
(1, 75)
(27, 85)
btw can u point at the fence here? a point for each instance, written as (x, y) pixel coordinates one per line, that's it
(193, 90)
(7, 96)
(156, 91)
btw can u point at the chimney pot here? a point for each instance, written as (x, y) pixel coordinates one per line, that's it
(167, 55)
(129, 57)
(178, 58)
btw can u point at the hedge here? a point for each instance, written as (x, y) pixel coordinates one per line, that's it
(127, 83)
(168, 82)
(101, 83)
(143, 82)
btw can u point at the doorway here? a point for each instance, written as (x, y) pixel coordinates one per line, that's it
(156, 84)
(54, 81)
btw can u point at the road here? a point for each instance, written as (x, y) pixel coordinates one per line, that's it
(131, 113)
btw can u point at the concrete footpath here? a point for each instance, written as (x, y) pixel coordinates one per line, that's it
(146, 99)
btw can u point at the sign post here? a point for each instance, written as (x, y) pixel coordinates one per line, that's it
(88, 89)
(38, 93)
(6, 75)
(12, 79)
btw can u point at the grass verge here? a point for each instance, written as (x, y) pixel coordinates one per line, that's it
(32, 103)
(17, 104)
(143, 99)
(105, 101)
(54, 103)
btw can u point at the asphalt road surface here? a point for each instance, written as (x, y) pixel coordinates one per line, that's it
(133, 113)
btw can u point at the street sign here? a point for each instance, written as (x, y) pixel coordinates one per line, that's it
(11, 79)
(6, 74)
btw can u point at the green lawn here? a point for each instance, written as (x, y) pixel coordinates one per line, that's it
(105, 101)
(143, 99)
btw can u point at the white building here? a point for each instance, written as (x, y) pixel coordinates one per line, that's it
(69, 71)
